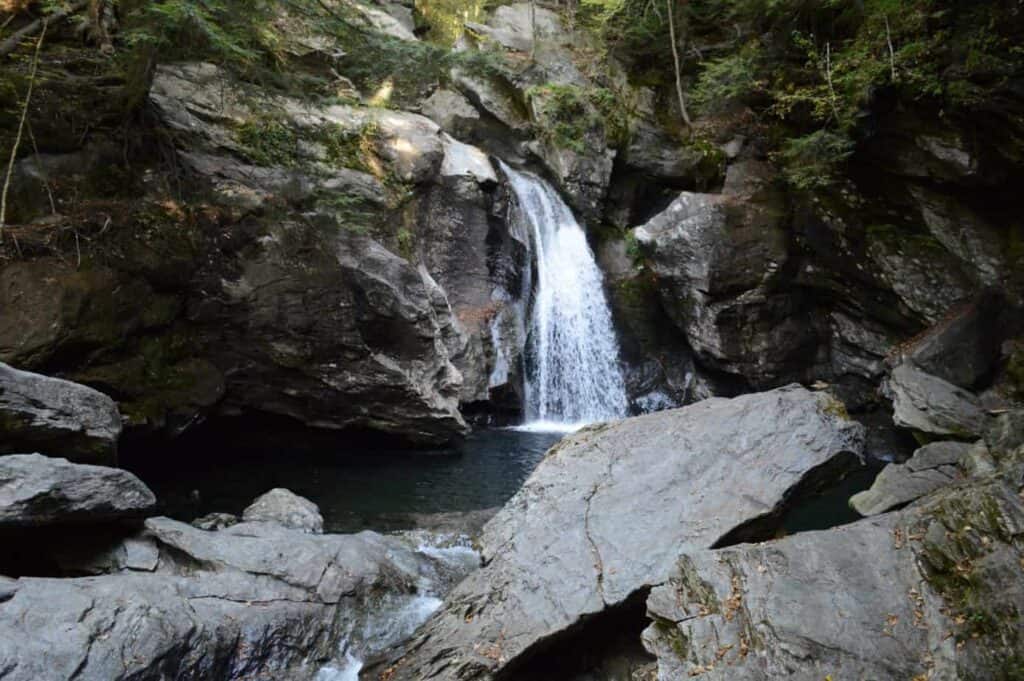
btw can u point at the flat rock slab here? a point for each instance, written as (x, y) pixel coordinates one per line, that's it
(56, 417)
(933, 591)
(38, 490)
(607, 510)
(930, 468)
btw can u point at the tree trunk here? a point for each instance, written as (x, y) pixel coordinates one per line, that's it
(675, 59)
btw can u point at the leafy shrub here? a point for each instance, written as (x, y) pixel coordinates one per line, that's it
(812, 161)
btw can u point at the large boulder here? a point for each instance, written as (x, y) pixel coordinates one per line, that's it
(719, 260)
(930, 592)
(627, 495)
(37, 490)
(256, 601)
(930, 468)
(935, 407)
(287, 509)
(57, 417)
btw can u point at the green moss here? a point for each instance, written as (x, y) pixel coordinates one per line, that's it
(269, 140)
(406, 241)
(356, 149)
(834, 407)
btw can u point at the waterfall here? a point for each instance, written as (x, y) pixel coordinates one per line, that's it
(572, 357)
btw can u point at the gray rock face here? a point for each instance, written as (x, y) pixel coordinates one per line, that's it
(977, 244)
(655, 153)
(931, 405)
(929, 592)
(925, 277)
(718, 259)
(630, 493)
(961, 349)
(38, 490)
(57, 417)
(338, 330)
(287, 509)
(256, 601)
(452, 112)
(930, 468)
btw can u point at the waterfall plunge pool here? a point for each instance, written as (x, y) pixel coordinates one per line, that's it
(222, 467)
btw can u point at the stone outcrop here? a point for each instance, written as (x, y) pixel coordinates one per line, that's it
(718, 260)
(716, 470)
(255, 601)
(57, 417)
(37, 490)
(293, 293)
(930, 405)
(930, 592)
(930, 468)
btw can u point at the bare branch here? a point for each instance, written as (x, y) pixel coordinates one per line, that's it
(21, 130)
(892, 53)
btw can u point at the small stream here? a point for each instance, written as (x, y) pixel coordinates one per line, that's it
(357, 485)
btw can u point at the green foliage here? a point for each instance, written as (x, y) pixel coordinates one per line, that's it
(633, 248)
(567, 114)
(252, 37)
(812, 161)
(356, 149)
(233, 31)
(728, 79)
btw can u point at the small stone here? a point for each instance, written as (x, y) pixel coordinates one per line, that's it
(287, 509)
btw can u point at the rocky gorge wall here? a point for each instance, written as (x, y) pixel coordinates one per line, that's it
(233, 247)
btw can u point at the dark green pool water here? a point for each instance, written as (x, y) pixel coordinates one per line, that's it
(357, 486)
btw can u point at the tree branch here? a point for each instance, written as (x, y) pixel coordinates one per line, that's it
(21, 130)
(9, 45)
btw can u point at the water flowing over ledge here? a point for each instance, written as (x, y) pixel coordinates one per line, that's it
(572, 355)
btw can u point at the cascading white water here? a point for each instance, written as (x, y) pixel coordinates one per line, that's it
(572, 374)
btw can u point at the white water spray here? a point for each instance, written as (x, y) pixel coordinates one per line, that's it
(573, 376)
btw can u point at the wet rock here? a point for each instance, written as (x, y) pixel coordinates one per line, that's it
(256, 601)
(57, 417)
(933, 590)
(930, 468)
(286, 509)
(38, 490)
(933, 406)
(689, 477)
